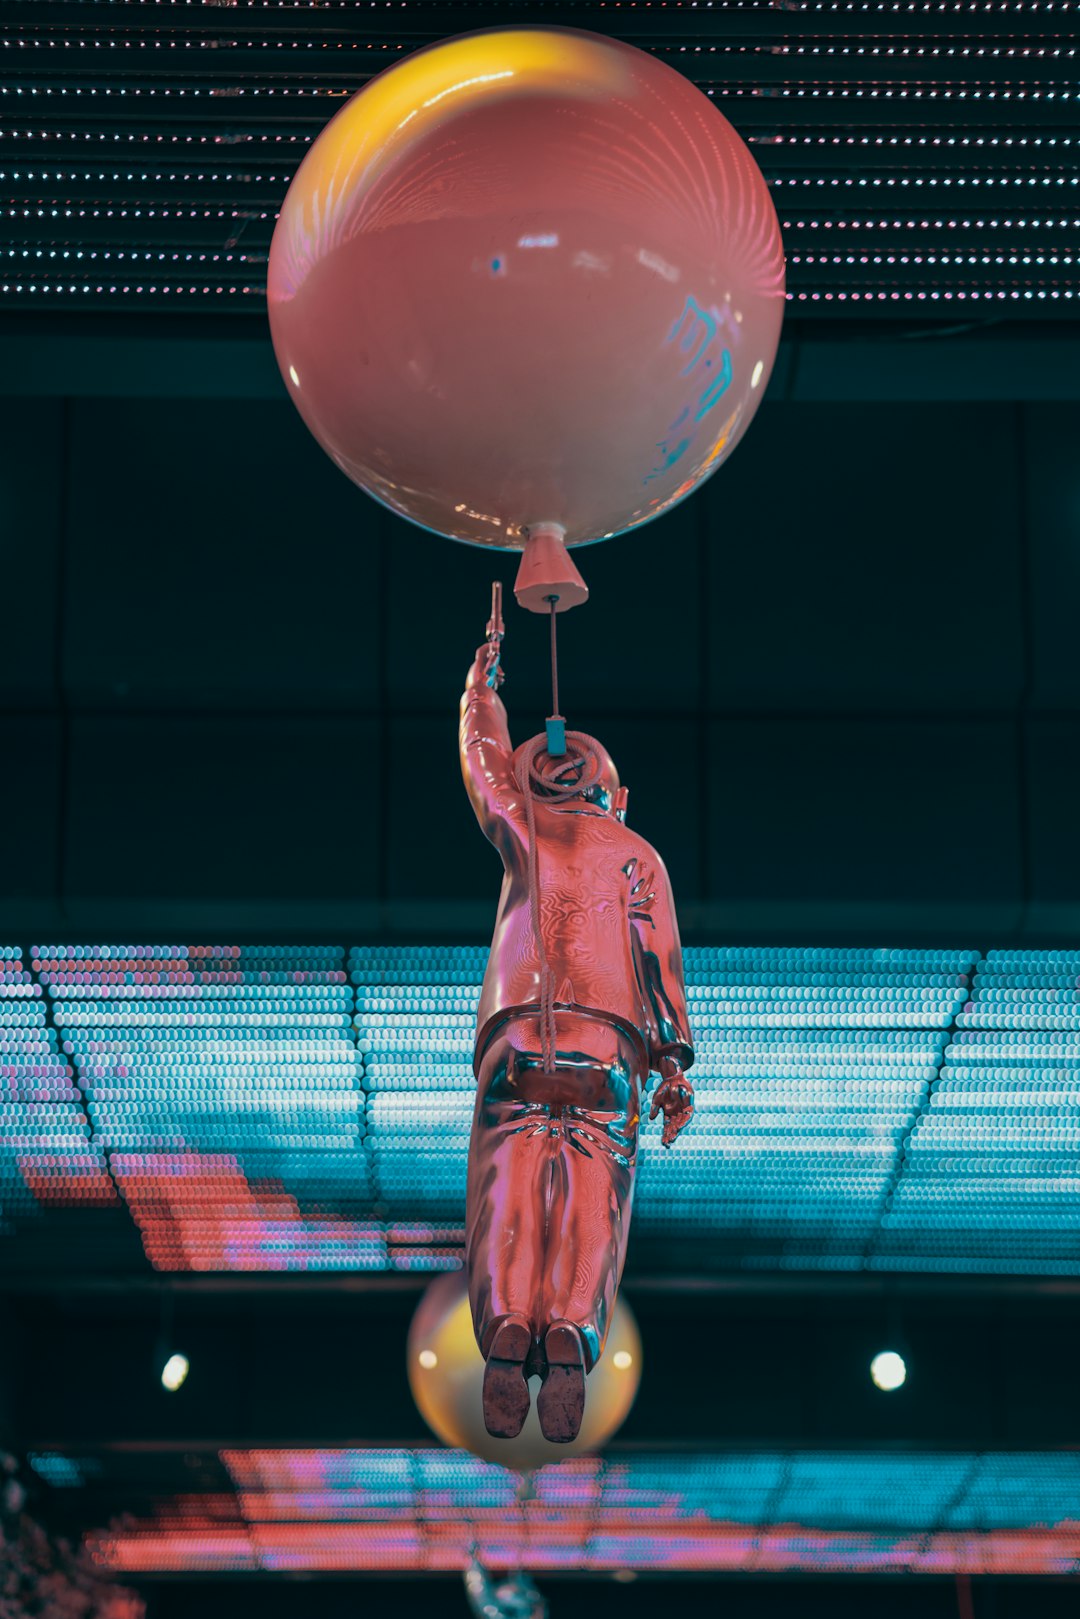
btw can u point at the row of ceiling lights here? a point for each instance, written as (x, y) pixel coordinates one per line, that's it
(938, 7)
(740, 48)
(840, 91)
(172, 139)
(70, 211)
(919, 296)
(888, 1370)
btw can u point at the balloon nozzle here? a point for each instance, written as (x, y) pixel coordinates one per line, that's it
(548, 575)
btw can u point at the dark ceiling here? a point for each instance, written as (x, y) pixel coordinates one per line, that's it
(841, 681)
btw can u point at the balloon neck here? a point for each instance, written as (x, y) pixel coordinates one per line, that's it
(547, 575)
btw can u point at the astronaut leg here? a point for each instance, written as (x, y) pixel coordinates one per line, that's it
(506, 1225)
(550, 1186)
(593, 1190)
(589, 1218)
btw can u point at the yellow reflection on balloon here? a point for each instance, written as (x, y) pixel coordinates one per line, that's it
(446, 1374)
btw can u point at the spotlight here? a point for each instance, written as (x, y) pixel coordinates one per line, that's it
(174, 1372)
(887, 1370)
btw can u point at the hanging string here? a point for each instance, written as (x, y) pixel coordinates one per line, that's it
(555, 715)
(552, 768)
(551, 780)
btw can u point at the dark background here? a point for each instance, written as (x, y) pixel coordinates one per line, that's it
(841, 681)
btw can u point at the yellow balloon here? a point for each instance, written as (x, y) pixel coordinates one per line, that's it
(446, 1374)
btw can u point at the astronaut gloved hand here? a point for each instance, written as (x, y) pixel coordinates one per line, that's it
(494, 673)
(674, 1097)
(487, 669)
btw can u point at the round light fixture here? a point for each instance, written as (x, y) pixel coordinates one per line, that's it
(887, 1370)
(174, 1372)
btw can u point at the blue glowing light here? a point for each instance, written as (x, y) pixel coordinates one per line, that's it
(261, 1107)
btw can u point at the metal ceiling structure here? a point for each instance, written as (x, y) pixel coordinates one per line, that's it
(921, 155)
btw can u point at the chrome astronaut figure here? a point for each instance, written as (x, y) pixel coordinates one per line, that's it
(582, 999)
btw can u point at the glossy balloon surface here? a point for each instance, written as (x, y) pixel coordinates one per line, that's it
(526, 276)
(448, 1388)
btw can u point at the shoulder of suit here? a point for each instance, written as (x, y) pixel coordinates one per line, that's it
(641, 846)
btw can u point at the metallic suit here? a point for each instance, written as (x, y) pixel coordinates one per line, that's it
(554, 1142)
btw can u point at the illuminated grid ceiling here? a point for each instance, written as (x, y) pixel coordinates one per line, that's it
(266, 1108)
(762, 1512)
(922, 158)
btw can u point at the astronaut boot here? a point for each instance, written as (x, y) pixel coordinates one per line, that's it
(506, 1393)
(560, 1405)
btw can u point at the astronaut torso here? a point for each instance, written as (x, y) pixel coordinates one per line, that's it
(606, 915)
(595, 875)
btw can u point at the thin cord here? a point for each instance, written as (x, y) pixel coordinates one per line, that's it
(547, 981)
(582, 759)
(554, 662)
(538, 775)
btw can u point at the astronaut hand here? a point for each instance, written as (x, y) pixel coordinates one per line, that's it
(674, 1098)
(494, 673)
(487, 667)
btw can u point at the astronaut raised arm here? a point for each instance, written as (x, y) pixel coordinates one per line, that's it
(484, 744)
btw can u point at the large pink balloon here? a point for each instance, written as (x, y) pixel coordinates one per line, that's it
(527, 276)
